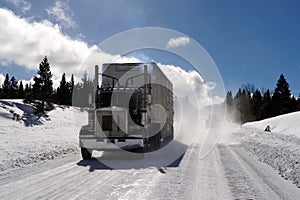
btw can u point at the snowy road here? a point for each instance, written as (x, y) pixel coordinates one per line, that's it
(227, 173)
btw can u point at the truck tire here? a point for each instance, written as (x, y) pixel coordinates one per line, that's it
(157, 141)
(86, 154)
(140, 150)
(154, 143)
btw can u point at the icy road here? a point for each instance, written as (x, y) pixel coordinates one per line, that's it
(228, 172)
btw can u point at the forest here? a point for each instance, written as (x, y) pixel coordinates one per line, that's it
(42, 94)
(248, 104)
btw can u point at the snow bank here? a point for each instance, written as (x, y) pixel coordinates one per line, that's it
(279, 148)
(284, 124)
(26, 138)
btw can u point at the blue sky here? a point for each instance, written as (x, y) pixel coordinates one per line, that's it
(250, 41)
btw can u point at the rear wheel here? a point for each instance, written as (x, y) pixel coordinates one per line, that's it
(153, 143)
(140, 150)
(86, 154)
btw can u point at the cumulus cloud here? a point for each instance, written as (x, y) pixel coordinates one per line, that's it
(62, 14)
(2, 78)
(177, 42)
(26, 43)
(21, 4)
(189, 85)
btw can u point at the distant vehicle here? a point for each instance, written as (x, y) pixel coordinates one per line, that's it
(124, 113)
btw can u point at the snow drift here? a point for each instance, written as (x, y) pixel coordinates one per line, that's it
(27, 138)
(279, 148)
(284, 124)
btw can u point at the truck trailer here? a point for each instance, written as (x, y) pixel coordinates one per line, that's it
(132, 110)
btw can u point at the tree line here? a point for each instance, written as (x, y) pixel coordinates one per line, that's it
(41, 92)
(251, 104)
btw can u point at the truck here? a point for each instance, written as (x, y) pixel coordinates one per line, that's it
(132, 110)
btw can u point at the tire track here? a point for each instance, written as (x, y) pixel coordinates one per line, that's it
(250, 179)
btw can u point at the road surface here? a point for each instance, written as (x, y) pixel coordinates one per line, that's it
(226, 173)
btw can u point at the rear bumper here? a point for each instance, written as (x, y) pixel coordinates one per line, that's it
(110, 143)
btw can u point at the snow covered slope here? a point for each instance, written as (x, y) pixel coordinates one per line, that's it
(279, 148)
(26, 138)
(285, 124)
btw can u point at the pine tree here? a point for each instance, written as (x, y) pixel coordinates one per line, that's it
(71, 88)
(242, 105)
(43, 85)
(81, 91)
(72, 83)
(6, 87)
(256, 105)
(229, 103)
(293, 105)
(21, 92)
(282, 97)
(229, 99)
(28, 93)
(267, 110)
(13, 87)
(63, 91)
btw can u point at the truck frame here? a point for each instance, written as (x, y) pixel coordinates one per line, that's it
(132, 110)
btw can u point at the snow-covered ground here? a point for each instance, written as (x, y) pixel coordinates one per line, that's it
(227, 172)
(279, 148)
(26, 138)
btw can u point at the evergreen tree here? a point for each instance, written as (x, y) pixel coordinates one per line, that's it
(82, 90)
(28, 93)
(282, 97)
(63, 91)
(267, 110)
(21, 92)
(6, 87)
(72, 84)
(13, 87)
(43, 85)
(242, 105)
(229, 102)
(229, 99)
(256, 105)
(248, 88)
(294, 104)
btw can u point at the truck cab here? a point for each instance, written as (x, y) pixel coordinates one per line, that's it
(132, 109)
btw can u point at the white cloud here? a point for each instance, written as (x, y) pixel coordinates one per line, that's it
(190, 85)
(26, 43)
(2, 78)
(62, 14)
(21, 4)
(177, 42)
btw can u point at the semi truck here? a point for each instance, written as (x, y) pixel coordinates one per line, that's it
(132, 110)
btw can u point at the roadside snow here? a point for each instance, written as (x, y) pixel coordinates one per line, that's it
(284, 124)
(279, 148)
(26, 138)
